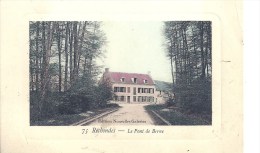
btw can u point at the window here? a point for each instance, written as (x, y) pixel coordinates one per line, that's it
(119, 89)
(116, 98)
(128, 89)
(122, 89)
(134, 98)
(145, 90)
(144, 99)
(116, 89)
(122, 79)
(145, 81)
(139, 98)
(122, 98)
(134, 80)
(134, 90)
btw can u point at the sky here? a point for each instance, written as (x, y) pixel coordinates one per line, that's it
(136, 47)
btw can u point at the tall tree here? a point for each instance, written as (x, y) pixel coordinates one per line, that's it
(81, 43)
(66, 57)
(189, 48)
(47, 43)
(71, 54)
(48, 57)
(201, 28)
(37, 54)
(75, 34)
(59, 52)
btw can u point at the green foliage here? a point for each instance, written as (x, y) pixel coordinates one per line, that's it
(188, 46)
(63, 72)
(39, 111)
(195, 98)
(103, 93)
(81, 98)
(86, 95)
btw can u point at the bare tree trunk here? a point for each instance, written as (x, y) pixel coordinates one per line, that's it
(75, 51)
(46, 59)
(202, 50)
(176, 55)
(66, 57)
(190, 69)
(208, 57)
(44, 55)
(81, 44)
(37, 55)
(91, 54)
(31, 68)
(195, 52)
(176, 68)
(185, 50)
(85, 64)
(171, 59)
(181, 60)
(90, 65)
(172, 70)
(59, 52)
(71, 55)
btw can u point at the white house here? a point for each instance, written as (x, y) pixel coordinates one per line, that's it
(133, 87)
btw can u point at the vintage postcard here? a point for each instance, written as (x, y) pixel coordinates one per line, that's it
(156, 73)
(101, 77)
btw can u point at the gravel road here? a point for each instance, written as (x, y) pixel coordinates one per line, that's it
(128, 114)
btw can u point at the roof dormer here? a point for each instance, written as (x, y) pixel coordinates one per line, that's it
(134, 80)
(122, 79)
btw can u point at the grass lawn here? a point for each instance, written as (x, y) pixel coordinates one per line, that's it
(175, 117)
(65, 120)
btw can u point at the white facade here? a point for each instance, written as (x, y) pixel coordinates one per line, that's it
(132, 93)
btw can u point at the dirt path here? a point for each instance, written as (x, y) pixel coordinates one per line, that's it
(128, 114)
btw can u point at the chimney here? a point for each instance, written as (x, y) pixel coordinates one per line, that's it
(106, 70)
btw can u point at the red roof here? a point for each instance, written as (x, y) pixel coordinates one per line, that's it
(116, 77)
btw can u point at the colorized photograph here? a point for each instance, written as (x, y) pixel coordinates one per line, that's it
(156, 73)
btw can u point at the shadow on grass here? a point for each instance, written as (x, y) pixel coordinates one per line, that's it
(175, 116)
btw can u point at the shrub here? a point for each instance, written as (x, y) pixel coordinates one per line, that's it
(196, 97)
